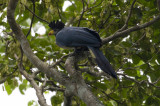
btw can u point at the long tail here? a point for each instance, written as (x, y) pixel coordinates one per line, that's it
(102, 61)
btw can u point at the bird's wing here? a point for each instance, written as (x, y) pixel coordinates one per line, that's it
(93, 32)
(74, 36)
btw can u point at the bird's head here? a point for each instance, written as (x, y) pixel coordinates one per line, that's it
(56, 26)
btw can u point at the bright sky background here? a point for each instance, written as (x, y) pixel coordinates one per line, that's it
(16, 98)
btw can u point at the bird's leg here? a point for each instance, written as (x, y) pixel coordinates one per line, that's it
(78, 53)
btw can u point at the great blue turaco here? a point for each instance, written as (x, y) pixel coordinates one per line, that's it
(76, 37)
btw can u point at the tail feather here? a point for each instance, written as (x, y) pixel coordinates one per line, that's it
(102, 61)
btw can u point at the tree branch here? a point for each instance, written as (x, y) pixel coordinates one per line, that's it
(32, 18)
(59, 61)
(67, 98)
(7, 76)
(129, 15)
(81, 89)
(158, 5)
(54, 89)
(81, 14)
(143, 81)
(39, 90)
(129, 30)
(3, 80)
(35, 14)
(43, 67)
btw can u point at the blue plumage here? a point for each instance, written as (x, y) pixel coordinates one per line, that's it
(83, 37)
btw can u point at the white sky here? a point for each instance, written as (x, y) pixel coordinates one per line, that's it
(16, 98)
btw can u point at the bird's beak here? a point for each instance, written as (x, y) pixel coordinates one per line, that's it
(51, 33)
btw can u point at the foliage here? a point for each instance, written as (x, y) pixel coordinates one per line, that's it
(135, 56)
(32, 103)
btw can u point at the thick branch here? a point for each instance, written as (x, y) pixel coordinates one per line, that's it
(67, 98)
(43, 67)
(129, 30)
(81, 89)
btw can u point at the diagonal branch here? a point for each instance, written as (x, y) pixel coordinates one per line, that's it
(35, 14)
(39, 90)
(129, 15)
(129, 30)
(43, 67)
(59, 61)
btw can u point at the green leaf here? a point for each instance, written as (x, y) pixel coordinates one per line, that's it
(8, 88)
(100, 85)
(135, 59)
(56, 100)
(32, 103)
(119, 2)
(131, 72)
(114, 103)
(151, 101)
(23, 86)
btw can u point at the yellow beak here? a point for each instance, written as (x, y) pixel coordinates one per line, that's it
(51, 33)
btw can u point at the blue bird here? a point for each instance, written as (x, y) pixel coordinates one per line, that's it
(81, 37)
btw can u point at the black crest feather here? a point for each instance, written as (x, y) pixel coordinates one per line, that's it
(56, 25)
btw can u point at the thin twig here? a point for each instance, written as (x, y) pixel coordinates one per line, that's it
(105, 21)
(44, 83)
(94, 6)
(8, 76)
(59, 61)
(51, 88)
(35, 14)
(143, 81)
(131, 47)
(83, 11)
(35, 73)
(58, 11)
(32, 18)
(129, 15)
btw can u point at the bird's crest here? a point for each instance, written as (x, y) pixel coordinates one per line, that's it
(56, 25)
